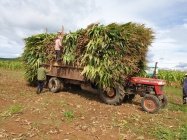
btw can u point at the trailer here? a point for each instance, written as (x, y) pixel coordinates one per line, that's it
(150, 89)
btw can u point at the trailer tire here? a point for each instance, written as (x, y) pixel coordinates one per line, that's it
(150, 103)
(113, 97)
(54, 85)
(164, 102)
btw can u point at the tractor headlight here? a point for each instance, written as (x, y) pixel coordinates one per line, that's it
(161, 83)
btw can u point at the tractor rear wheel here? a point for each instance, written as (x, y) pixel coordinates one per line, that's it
(113, 96)
(54, 85)
(150, 103)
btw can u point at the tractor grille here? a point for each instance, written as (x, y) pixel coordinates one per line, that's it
(162, 88)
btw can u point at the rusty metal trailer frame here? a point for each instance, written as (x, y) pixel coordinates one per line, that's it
(71, 74)
(66, 72)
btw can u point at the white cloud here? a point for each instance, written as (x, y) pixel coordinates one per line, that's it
(169, 48)
(185, 26)
(9, 49)
(22, 18)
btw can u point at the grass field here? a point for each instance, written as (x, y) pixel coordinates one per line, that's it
(11, 64)
(78, 115)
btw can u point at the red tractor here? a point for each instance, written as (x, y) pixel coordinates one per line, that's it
(151, 90)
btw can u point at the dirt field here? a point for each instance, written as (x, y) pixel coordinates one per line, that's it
(76, 115)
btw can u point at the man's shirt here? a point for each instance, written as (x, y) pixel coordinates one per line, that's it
(42, 73)
(58, 44)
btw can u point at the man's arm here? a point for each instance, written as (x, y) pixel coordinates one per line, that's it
(48, 70)
(60, 42)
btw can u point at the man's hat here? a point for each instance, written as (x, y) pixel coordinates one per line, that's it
(186, 74)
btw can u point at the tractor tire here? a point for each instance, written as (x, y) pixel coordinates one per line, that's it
(114, 96)
(54, 85)
(164, 102)
(150, 103)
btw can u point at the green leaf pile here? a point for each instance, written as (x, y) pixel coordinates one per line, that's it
(37, 49)
(108, 54)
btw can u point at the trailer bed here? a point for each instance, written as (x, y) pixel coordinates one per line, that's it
(67, 72)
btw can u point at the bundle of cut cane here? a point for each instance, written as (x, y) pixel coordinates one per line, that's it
(38, 48)
(108, 54)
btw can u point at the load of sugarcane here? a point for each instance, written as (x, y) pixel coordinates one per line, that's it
(108, 54)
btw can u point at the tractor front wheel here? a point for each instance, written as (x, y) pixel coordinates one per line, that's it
(150, 103)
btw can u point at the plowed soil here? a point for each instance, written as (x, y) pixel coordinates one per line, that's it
(73, 114)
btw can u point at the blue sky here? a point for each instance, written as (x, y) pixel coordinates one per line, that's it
(168, 18)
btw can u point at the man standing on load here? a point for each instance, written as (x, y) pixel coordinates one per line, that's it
(185, 89)
(58, 44)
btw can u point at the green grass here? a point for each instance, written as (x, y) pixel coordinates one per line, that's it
(36, 125)
(173, 78)
(11, 64)
(173, 91)
(183, 132)
(11, 110)
(174, 96)
(165, 133)
(177, 107)
(69, 115)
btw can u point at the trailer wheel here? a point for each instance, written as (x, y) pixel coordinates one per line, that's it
(150, 103)
(113, 96)
(54, 85)
(164, 102)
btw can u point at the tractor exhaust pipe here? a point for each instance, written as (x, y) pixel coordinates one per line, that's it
(154, 73)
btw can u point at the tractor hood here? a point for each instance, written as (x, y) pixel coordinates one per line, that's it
(147, 81)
